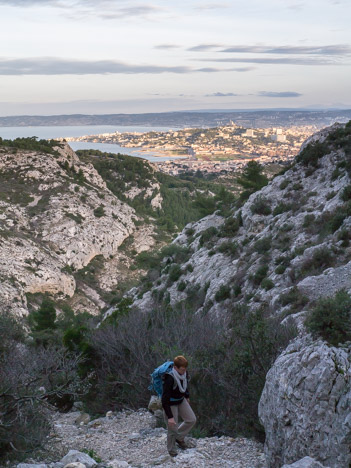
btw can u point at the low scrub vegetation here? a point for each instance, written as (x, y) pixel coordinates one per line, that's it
(331, 319)
(261, 206)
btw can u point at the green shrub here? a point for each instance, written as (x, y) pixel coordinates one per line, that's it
(331, 318)
(260, 274)
(280, 269)
(222, 293)
(263, 245)
(251, 179)
(190, 232)
(284, 184)
(228, 248)
(308, 220)
(261, 206)
(321, 259)
(311, 154)
(207, 235)
(281, 208)
(346, 193)
(99, 211)
(293, 298)
(181, 286)
(297, 186)
(230, 227)
(175, 273)
(344, 236)
(267, 284)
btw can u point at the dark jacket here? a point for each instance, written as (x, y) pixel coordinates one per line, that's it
(172, 396)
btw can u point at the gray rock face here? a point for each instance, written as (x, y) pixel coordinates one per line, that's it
(305, 405)
(306, 462)
(327, 284)
(80, 457)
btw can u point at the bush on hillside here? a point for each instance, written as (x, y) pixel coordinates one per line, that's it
(207, 235)
(322, 258)
(331, 318)
(220, 352)
(30, 379)
(261, 206)
(311, 154)
(260, 274)
(230, 227)
(229, 248)
(222, 293)
(252, 179)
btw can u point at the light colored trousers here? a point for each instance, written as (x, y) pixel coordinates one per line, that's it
(179, 431)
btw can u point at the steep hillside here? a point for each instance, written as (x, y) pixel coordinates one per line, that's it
(73, 226)
(286, 246)
(281, 258)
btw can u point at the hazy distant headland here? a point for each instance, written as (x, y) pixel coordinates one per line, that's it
(254, 118)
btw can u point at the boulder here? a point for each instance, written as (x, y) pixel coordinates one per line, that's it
(80, 457)
(83, 418)
(154, 404)
(32, 465)
(306, 462)
(118, 464)
(75, 465)
(305, 405)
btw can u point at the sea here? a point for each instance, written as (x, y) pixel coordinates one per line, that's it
(10, 133)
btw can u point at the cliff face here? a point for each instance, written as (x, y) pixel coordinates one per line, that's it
(56, 216)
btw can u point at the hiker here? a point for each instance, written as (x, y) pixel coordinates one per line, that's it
(175, 402)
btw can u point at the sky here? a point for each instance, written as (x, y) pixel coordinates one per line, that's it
(136, 56)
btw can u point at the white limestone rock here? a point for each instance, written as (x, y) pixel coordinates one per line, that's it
(306, 462)
(76, 456)
(305, 403)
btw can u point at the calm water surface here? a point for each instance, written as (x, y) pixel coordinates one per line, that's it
(10, 133)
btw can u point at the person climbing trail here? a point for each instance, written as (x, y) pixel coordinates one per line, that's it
(176, 405)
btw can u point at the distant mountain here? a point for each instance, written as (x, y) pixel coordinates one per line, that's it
(248, 118)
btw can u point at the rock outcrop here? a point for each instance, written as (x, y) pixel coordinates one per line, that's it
(306, 462)
(305, 405)
(56, 216)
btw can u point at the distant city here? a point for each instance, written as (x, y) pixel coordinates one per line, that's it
(211, 150)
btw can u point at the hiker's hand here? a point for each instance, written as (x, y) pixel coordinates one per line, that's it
(188, 400)
(171, 422)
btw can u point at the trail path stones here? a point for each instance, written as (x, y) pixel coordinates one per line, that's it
(131, 439)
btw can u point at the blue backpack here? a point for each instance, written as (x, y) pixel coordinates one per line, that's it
(157, 377)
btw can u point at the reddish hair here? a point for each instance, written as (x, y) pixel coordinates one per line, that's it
(180, 361)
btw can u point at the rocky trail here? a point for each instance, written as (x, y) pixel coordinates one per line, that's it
(130, 438)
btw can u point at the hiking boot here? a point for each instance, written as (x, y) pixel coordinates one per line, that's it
(181, 444)
(173, 453)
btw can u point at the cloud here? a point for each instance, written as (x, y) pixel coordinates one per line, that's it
(167, 46)
(212, 6)
(58, 66)
(61, 66)
(275, 94)
(274, 61)
(219, 94)
(204, 47)
(337, 49)
(103, 9)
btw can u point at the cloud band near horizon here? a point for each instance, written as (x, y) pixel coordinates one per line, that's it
(60, 66)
